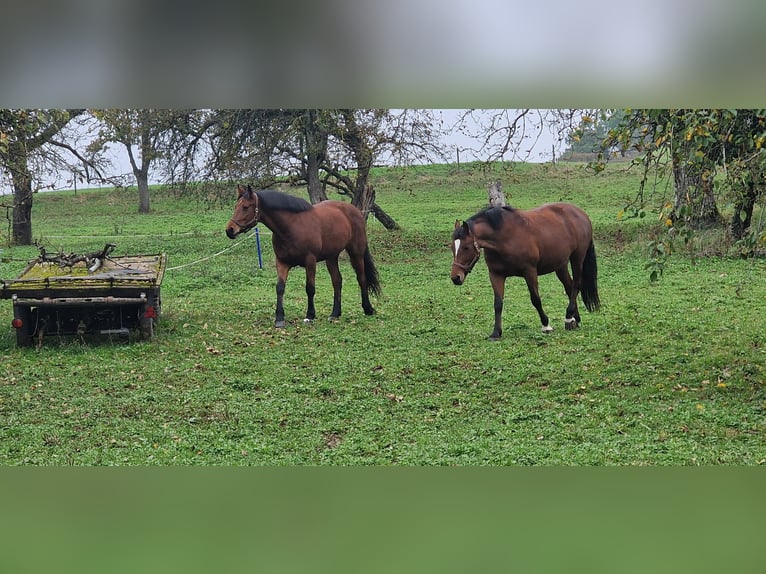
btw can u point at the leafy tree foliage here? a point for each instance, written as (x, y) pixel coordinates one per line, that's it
(28, 146)
(590, 135)
(711, 155)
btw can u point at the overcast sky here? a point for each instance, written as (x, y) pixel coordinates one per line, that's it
(353, 53)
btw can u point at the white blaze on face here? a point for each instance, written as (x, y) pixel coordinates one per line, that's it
(457, 246)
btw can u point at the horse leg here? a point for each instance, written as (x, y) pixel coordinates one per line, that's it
(282, 271)
(498, 287)
(311, 271)
(337, 286)
(534, 295)
(572, 320)
(357, 262)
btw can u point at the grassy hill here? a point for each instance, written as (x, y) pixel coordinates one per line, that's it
(668, 373)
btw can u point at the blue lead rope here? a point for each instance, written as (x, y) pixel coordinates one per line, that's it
(258, 247)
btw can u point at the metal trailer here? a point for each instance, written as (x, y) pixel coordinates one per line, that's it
(113, 296)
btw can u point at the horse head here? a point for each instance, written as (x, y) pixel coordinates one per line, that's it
(246, 212)
(465, 251)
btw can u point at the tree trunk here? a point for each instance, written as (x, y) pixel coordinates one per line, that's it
(385, 219)
(694, 196)
(316, 150)
(363, 200)
(314, 183)
(681, 185)
(142, 179)
(707, 214)
(363, 194)
(22, 200)
(22, 216)
(743, 212)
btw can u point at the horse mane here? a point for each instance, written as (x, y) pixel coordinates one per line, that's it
(277, 200)
(492, 215)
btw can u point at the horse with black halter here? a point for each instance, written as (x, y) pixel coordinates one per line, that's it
(305, 234)
(527, 244)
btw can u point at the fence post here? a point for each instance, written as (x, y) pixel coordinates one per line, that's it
(496, 195)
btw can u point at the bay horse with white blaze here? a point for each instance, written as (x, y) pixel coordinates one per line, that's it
(519, 243)
(305, 234)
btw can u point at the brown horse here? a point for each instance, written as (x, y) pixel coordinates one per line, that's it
(304, 234)
(526, 244)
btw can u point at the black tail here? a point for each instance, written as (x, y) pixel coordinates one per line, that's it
(371, 272)
(589, 284)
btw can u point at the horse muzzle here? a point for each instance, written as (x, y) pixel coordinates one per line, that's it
(458, 278)
(231, 232)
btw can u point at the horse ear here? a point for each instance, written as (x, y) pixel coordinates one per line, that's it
(246, 192)
(466, 229)
(457, 224)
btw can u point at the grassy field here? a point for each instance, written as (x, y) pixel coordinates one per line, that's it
(667, 373)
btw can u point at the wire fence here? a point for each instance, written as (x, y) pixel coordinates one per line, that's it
(242, 241)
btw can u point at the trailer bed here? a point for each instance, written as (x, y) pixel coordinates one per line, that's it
(115, 296)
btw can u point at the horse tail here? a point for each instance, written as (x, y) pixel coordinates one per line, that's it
(371, 272)
(589, 284)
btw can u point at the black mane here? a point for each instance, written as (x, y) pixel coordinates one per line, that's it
(492, 215)
(279, 201)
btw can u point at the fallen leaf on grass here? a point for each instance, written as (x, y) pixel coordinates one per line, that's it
(332, 440)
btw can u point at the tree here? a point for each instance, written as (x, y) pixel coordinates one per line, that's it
(146, 135)
(370, 135)
(257, 145)
(28, 146)
(744, 165)
(693, 146)
(335, 148)
(316, 133)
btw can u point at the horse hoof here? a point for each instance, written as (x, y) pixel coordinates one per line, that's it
(279, 324)
(307, 320)
(547, 329)
(334, 319)
(571, 324)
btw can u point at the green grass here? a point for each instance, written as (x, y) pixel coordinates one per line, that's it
(670, 373)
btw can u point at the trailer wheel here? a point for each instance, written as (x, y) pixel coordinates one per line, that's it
(146, 328)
